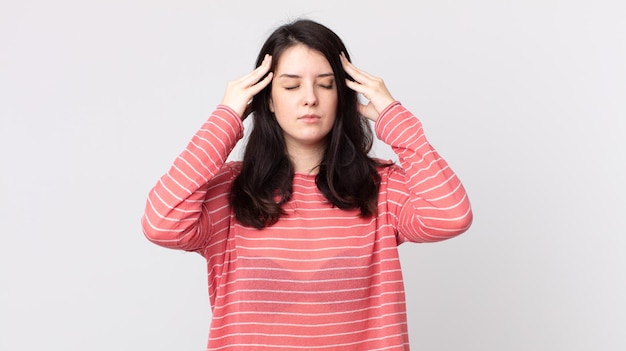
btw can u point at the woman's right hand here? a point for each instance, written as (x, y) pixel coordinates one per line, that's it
(239, 92)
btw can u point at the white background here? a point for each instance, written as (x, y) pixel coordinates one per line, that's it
(524, 98)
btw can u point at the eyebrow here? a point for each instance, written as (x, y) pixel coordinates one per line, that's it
(287, 75)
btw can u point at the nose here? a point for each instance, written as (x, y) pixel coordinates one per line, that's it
(310, 96)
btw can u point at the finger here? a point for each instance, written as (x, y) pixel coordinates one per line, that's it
(253, 77)
(347, 65)
(362, 89)
(260, 85)
(356, 86)
(356, 73)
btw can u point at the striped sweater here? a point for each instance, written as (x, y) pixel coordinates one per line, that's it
(321, 278)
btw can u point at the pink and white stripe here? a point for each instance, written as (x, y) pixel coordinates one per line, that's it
(321, 278)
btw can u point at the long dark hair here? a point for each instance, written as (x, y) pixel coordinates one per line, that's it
(347, 176)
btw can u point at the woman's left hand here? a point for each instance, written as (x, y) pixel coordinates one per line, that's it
(372, 88)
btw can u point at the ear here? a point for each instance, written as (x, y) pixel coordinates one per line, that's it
(271, 103)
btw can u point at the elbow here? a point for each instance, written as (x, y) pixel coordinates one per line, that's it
(153, 233)
(460, 223)
(440, 229)
(164, 234)
(150, 231)
(464, 222)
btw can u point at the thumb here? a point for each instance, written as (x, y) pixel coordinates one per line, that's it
(368, 111)
(246, 112)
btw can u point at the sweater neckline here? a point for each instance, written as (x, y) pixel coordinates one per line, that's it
(305, 175)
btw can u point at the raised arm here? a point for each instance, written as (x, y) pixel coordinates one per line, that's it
(432, 204)
(176, 214)
(437, 206)
(173, 214)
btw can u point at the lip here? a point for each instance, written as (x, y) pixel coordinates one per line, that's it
(309, 118)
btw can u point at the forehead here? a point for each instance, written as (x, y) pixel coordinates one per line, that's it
(301, 60)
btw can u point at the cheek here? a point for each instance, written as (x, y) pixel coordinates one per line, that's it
(331, 96)
(331, 101)
(275, 100)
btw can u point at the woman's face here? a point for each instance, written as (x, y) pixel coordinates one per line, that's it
(304, 97)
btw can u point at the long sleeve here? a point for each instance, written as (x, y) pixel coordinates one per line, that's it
(433, 204)
(175, 214)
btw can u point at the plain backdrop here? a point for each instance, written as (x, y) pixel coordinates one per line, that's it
(524, 98)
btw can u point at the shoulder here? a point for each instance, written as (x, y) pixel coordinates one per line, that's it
(226, 174)
(231, 168)
(388, 169)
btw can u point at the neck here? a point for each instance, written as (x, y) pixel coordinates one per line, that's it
(306, 159)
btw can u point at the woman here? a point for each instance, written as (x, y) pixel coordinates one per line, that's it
(301, 237)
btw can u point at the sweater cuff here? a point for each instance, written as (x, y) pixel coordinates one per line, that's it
(235, 119)
(381, 121)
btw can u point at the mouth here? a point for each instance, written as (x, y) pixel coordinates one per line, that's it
(309, 118)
